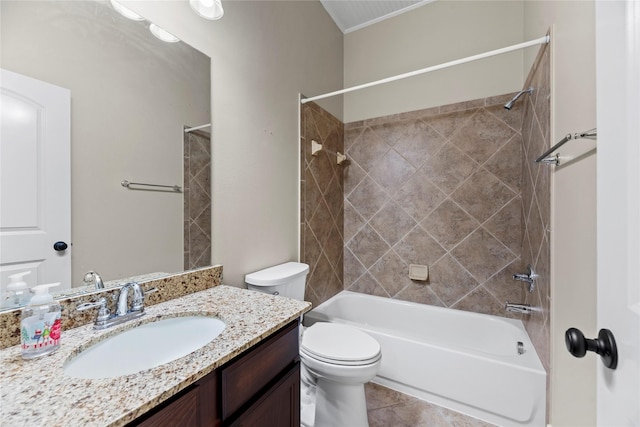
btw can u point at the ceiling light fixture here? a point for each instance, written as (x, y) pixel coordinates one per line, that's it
(125, 11)
(208, 9)
(163, 35)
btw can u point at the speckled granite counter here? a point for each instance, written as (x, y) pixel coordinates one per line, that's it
(38, 393)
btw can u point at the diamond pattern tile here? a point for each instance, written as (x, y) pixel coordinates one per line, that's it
(450, 281)
(368, 198)
(392, 223)
(464, 196)
(453, 189)
(482, 135)
(481, 206)
(482, 195)
(322, 207)
(368, 246)
(418, 142)
(449, 224)
(197, 200)
(505, 164)
(482, 255)
(418, 196)
(449, 168)
(419, 248)
(392, 171)
(368, 149)
(391, 273)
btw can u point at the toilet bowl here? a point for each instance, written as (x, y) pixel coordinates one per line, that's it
(336, 360)
(339, 359)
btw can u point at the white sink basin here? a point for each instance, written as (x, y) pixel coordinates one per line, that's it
(144, 347)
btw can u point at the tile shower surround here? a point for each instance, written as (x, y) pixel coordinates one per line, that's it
(536, 198)
(439, 187)
(322, 206)
(197, 199)
(453, 187)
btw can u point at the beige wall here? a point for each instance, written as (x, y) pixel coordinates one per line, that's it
(573, 210)
(127, 115)
(438, 32)
(262, 54)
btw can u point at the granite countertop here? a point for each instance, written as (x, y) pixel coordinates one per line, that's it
(37, 392)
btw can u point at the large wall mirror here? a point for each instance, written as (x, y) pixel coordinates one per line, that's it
(132, 96)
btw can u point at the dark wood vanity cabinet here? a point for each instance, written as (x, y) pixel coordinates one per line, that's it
(195, 406)
(258, 388)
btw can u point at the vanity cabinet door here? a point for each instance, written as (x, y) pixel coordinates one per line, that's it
(182, 411)
(197, 406)
(278, 407)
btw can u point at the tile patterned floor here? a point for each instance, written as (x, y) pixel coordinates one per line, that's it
(389, 408)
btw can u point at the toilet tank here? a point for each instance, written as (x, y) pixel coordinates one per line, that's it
(287, 280)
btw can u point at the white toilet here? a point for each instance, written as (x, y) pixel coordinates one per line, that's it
(337, 360)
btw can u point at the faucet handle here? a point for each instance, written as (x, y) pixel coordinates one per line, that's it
(529, 277)
(138, 297)
(103, 310)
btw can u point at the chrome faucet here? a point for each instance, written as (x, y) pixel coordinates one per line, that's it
(137, 305)
(529, 277)
(124, 312)
(518, 308)
(93, 277)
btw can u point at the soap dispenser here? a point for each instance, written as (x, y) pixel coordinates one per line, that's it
(17, 293)
(41, 326)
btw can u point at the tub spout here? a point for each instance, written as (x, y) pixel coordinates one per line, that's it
(523, 278)
(518, 308)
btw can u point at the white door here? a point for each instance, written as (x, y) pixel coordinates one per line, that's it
(618, 162)
(35, 201)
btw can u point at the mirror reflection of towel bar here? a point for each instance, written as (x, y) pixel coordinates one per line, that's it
(172, 188)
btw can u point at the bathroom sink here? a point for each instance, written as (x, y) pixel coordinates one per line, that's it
(144, 347)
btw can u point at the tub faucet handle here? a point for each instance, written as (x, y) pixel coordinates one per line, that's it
(529, 277)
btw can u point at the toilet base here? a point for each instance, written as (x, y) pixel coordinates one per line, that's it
(307, 398)
(340, 405)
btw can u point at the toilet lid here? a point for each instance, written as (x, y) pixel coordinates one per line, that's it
(339, 343)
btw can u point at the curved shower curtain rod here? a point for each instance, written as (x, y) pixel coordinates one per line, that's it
(541, 40)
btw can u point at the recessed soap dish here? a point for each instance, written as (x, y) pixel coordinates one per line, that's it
(418, 272)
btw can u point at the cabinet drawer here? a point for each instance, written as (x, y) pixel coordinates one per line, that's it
(243, 377)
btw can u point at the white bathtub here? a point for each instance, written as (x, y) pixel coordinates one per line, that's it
(464, 361)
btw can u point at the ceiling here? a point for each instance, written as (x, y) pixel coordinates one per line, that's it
(351, 15)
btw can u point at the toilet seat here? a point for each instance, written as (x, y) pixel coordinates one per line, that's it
(339, 345)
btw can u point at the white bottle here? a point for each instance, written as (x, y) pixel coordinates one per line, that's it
(40, 327)
(17, 293)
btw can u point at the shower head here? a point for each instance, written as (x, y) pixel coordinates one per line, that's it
(509, 104)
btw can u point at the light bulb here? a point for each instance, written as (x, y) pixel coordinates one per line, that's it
(125, 11)
(208, 9)
(163, 35)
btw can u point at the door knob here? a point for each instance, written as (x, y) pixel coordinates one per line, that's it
(60, 246)
(604, 345)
